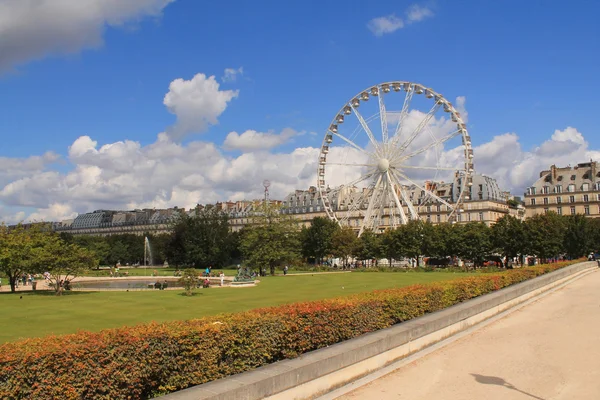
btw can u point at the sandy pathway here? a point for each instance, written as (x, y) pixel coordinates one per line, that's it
(547, 350)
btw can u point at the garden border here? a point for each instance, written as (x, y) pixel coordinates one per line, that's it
(320, 371)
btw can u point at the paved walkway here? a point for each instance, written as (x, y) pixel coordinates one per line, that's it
(547, 350)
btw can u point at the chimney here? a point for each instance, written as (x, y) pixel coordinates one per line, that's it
(594, 166)
(553, 172)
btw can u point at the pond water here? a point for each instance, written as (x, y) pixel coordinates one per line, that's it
(124, 284)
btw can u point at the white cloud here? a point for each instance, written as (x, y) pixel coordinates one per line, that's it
(196, 103)
(383, 25)
(504, 159)
(231, 74)
(251, 140)
(416, 13)
(31, 29)
(13, 168)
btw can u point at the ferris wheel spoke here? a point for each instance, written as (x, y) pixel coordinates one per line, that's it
(351, 143)
(372, 201)
(430, 145)
(403, 114)
(383, 119)
(420, 127)
(351, 164)
(354, 208)
(404, 166)
(428, 192)
(357, 180)
(367, 130)
(399, 207)
(411, 208)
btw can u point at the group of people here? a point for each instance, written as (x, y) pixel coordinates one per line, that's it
(208, 273)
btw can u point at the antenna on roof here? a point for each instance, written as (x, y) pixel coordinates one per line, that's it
(266, 184)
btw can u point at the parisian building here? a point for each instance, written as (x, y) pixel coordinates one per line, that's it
(566, 191)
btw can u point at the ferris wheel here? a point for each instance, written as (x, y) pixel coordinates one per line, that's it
(404, 155)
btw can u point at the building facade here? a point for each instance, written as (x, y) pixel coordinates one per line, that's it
(566, 191)
(487, 203)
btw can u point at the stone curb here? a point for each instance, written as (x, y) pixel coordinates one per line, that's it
(323, 370)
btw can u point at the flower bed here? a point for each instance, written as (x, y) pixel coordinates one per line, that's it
(146, 360)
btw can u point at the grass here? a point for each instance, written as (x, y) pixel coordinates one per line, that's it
(39, 314)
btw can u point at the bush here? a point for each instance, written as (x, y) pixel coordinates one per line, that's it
(147, 360)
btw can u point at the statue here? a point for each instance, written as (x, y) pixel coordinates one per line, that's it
(244, 274)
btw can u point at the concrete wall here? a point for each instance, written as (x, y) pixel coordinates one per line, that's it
(325, 369)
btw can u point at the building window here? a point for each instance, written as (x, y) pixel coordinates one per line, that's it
(571, 199)
(481, 216)
(428, 209)
(439, 218)
(572, 210)
(469, 217)
(559, 200)
(460, 216)
(545, 200)
(586, 210)
(585, 187)
(545, 189)
(586, 198)
(571, 188)
(559, 210)
(533, 202)
(428, 218)
(481, 188)
(558, 189)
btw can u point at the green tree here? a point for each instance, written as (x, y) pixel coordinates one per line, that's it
(369, 246)
(97, 244)
(271, 240)
(476, 243)
(509, 237)
(545, 235)
(594, 224)
(64, 261)
(344, 243)
(316, 240)
(577, 236)
(410, 236)
(391, 245)
(189, 280)
(201, 240)
(19, 251)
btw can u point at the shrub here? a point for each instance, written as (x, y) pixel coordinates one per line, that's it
(151, 359)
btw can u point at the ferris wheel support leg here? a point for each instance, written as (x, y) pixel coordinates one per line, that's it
(396, 200)
(368, 216)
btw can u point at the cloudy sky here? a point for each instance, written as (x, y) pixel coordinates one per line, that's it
(157, 103)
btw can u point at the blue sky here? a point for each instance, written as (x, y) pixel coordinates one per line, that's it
(526, 70)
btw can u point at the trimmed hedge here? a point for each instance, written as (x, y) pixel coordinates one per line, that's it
(147, 360)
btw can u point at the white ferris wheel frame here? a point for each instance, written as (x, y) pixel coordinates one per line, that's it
(386, 175)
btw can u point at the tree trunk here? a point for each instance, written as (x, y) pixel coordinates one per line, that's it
(13, 283)
(272, 269)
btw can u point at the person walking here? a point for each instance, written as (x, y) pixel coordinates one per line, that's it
(285, 270)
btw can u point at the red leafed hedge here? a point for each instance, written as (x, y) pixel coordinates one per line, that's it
(147, 360)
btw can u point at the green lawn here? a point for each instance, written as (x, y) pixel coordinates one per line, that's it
(42, 313)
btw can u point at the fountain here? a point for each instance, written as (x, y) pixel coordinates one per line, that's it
(147, 252)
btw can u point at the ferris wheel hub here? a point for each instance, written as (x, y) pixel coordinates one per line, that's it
(383, 165)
